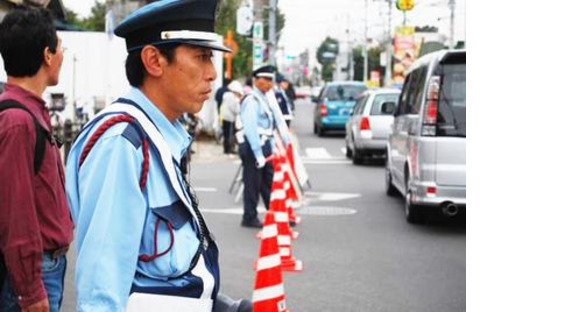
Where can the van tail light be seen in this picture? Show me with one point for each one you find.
(323, 110)
(365, 124)
(430, 113)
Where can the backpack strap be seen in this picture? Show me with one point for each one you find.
(41, 134)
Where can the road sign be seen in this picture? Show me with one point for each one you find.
(257, 45)
(244, 18)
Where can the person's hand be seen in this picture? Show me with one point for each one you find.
(260, 162)
(40, 306)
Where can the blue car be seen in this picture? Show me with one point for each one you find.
(334, 105)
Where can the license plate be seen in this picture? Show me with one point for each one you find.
(345, 111)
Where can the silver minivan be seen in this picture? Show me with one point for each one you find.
(370, 124)
(425, 156)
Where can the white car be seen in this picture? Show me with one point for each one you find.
(369, 126)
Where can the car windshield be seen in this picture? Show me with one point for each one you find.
(452, 102)
(344, 92)
(383, 98)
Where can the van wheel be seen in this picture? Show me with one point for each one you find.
(315, 129)
(348, 152)
(320, 131)
(412, 213)
(389, 187)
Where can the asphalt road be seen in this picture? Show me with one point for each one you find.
(358, 251)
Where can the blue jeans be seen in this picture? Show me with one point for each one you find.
(52, 278)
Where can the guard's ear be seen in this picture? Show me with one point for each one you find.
(153, 60)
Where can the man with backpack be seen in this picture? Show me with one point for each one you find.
(35, 224)
(143, 244)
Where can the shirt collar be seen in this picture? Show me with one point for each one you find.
(26, 95)
(173, 132)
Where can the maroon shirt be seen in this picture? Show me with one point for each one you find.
(34, 213)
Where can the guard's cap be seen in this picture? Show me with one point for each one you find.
(172, 21)
(267, 71)
(236, 86)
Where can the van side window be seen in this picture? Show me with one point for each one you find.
(411, 92)
(404, 99)
(419, 88)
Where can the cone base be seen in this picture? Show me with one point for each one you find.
(296, 219)
(292, 266)
(271, 305)
(294, 234)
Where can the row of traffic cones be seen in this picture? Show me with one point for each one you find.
(276, 245)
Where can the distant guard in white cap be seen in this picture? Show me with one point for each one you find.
(142, 242)
(260, 117)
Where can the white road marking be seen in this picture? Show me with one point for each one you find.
(343, 150)
(327, 196)
(326, 162)
(317, 153)
(205, 189)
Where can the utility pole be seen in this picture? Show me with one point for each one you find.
(272, 32)
(365, 50)
(452, 23)
(350, 54)
(388, 48)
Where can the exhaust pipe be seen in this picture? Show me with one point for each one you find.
(450, 210)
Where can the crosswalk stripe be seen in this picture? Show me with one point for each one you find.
(317, 152)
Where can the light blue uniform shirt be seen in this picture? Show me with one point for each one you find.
(112, 215)
(255, 116)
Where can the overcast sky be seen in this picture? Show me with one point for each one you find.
(308, 22)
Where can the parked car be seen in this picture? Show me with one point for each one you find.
(334, 105)
(370, 125)
(425, 158)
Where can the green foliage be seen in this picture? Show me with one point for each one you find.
(328, 65)
(227, 19)
(242, 61)
(95, 22)
(280, 22)
(374, 61)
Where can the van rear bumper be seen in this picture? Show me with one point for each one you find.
(443, 194)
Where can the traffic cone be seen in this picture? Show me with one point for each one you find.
(279, 184)
(291, 193)
(278, 206)
(269, 287)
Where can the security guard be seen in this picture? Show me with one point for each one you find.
(260, 116)
(142, 242)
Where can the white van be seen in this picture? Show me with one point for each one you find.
(425, 156)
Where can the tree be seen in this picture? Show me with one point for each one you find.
(374, 61)
(242, 61)
(227, 19)
(95, 22)
(326, 56)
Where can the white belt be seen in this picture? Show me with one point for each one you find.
(142, 302)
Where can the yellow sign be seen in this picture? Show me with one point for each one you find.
(405, 5)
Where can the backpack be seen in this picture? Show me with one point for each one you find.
(39, 148)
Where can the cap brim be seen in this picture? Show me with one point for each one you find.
(207, 44)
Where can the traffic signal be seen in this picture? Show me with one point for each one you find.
(405, 5)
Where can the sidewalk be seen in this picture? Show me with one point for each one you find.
(208, 150)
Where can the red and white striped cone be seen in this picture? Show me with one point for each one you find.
(291, 193)
(278, 206)
(279, 184)
(269, 287)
